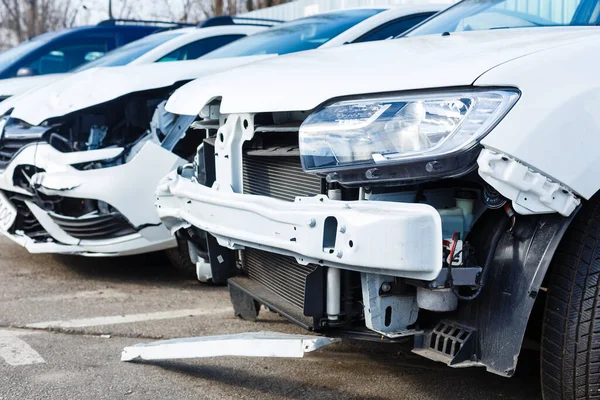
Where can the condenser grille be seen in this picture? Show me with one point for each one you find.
(280, 274)
(280, 177)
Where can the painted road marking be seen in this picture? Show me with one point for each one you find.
(126, 319)
(15, 351)
(107, 294)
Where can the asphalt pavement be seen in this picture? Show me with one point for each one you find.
(64, 321)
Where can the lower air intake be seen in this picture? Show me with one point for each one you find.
(94, 227)
(280, 274)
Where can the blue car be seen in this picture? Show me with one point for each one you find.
(63, 51)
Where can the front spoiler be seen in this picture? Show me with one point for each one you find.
(397, 239)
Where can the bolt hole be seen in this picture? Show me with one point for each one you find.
(221, 137)
(351, 243)
(388, 316)
(525, 199)
(245, 124)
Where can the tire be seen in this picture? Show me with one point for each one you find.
(179, 257)
(570, 355)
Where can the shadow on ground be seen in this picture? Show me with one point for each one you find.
(384, 366)
(152, 267)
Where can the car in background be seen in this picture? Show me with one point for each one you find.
(187, 43)
(81, 157)
(65, 50)
(440, 188)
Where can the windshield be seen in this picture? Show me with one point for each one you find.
(130, 52)
(474, 15)
(8, 57)
(302, 34)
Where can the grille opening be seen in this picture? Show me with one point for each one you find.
(85, 219)
(282, 275)
(271, 167)
(26, 222)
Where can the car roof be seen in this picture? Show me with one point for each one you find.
(191, 35)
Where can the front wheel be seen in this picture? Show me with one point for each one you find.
(570, 357)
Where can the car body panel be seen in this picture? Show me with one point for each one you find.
(554, 126)
(104, 84)
(317, 76)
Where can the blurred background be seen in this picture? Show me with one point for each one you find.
(23, 19)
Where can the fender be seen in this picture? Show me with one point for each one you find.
(499, 315)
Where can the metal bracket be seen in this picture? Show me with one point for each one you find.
(388, 315)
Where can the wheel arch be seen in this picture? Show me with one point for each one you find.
(500, 314)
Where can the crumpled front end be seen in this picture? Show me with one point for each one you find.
(319, 252)
(62, 209)
(381, 246)
(84, 183)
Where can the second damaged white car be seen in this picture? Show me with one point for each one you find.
(432, 187)
(80, 158)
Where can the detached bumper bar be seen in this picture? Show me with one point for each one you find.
(397, 239)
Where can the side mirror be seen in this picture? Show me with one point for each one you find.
(25, 71)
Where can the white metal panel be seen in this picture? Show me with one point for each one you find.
(251, 344)
(410, 63)
(555, 126)
(99, 85)
(341, 234)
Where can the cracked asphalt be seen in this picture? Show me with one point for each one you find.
(65, 320)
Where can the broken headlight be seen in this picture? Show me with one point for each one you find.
(420, 132)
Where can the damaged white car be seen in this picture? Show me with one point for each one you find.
(171, 45)
(81, 157)
(433, 187)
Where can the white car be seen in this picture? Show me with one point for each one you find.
(173, 45)
(433, 187)
(82, 157)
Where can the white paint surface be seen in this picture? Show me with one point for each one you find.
(15, 351)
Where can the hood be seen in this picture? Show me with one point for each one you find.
(17, 86)
(100, 85)
(302, 81)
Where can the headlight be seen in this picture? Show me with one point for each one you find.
(376, 133)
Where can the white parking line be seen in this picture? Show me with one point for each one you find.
(15, 351)
(125, 319)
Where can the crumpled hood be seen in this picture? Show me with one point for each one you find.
(100, 85)
(302, 81)
(17, 86)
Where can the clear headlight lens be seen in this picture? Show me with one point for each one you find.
(399, 129)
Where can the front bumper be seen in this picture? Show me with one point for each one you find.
(129, 188)
(396, 239)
